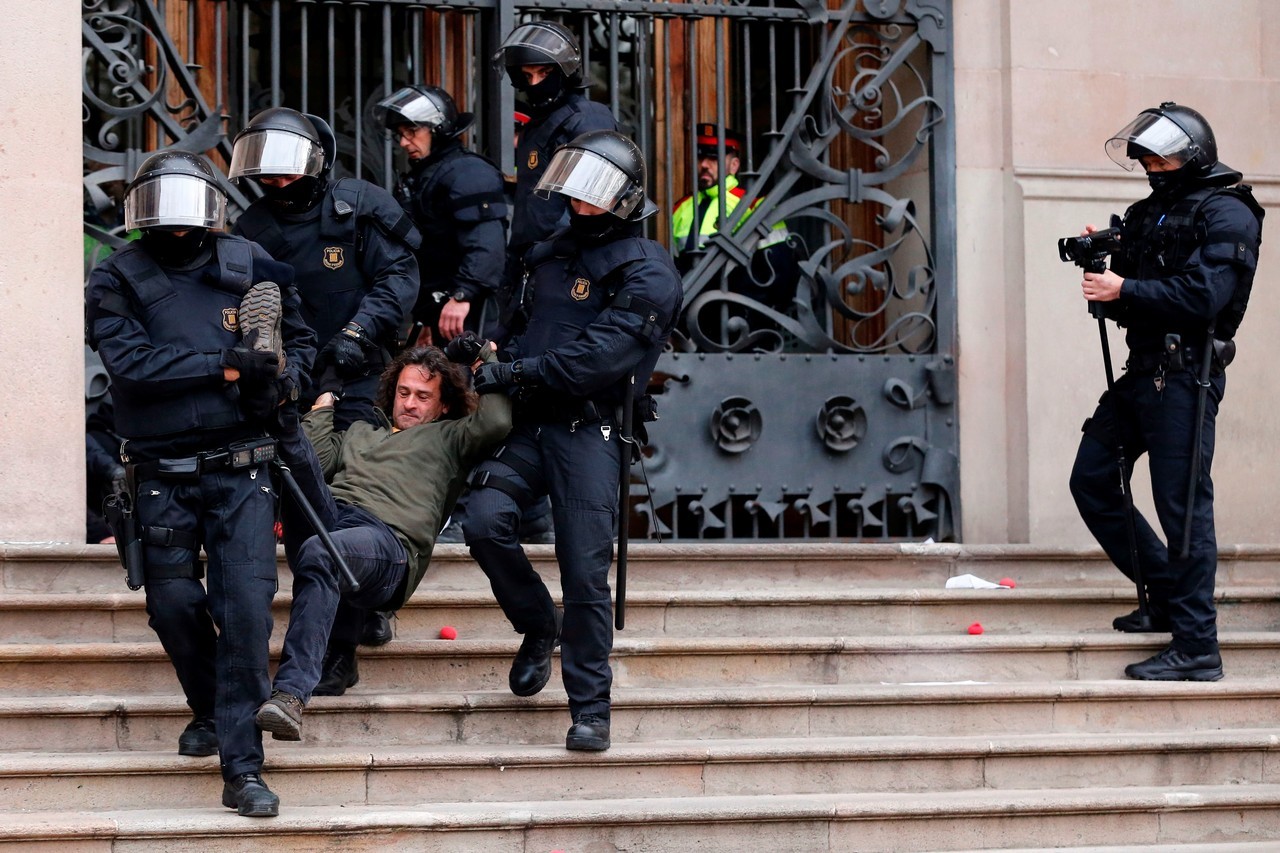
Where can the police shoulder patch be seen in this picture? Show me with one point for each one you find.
(533, 159)
(333, 258)
(230, 319)
(581, 289)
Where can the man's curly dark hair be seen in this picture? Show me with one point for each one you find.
(455, 390)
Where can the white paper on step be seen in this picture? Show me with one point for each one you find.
(972, 582)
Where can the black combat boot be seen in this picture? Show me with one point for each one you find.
(589, 733)
(531, 670)
(339, 672)
(1132, 622)
(199, 738)
(250, 796)
(377, 628)
(1175, 665)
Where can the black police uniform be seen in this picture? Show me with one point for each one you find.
(534, 218)
(162, 332)
(456, 199)
(601, 312)
(1188, 265)
(353, 259)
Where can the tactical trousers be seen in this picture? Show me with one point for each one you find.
(1159, 422)
(579, 469)
(222, 673)
(370, 549)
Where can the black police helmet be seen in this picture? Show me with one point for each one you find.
(424, 106)
(175, 190)
(603, 168)
(541, 43)
(281, 141)
(1170, 131)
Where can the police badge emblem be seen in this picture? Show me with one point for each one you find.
(533, 159)
(333, 257)
(581, 289)
(230, 319)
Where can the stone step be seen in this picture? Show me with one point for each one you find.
(342, 777)
(373, 721)
(945, 820)
(95, 568)
(782, 612)
(99, 668)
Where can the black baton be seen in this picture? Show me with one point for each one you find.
(1202, 394)
(624, 504)
(1130, 520)
(295, 491)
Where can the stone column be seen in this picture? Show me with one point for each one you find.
(41, 275)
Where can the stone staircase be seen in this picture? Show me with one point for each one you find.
(815, 697)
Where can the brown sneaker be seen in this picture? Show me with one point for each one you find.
(281, 715)
(259, 319)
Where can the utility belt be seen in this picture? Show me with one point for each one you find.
(130, 535)
(237, 456)
(1176, 357)
(550, 409)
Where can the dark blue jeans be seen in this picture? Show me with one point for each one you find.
(1161, 424)
(223, 673)
(370, 549)
(579, 469)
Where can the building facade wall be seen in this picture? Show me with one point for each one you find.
(41, 272)
(1039, 87)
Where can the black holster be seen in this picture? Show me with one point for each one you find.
(118, 511)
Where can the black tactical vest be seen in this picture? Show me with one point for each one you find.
(188, 310)
(1165, 233)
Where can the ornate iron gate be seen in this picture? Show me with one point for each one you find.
(812, 397)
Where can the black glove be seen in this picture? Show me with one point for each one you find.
(496, 376)
(254, 366)
(347, 351)
(119, 482)
(259, 400)
(465, 348)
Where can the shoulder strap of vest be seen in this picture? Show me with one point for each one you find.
(338, 210)
(601, 261)
(140, 273)
(258, 225)
(235, 262)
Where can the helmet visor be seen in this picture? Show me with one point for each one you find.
(409, 107)
(545, 43)
(275, 152)
(1149, 132)
(589, 177)
(175, 201)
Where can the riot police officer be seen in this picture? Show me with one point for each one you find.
(192, 396)
(1179, 285)
(350, 244)
(604, 300)
(544, 62)
(455, 198)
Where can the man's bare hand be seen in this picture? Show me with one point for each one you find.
(1101, 286)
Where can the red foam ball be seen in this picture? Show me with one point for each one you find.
(448, 632)
(1009, 582)
(975, 628)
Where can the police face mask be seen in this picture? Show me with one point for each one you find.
(593, 227)
(296, 197)
(545, 93)
(170, 249)
(1164, 183)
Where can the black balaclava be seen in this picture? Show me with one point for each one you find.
(297, 197)
(599, 228)
(173, 250)
(545, 95)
